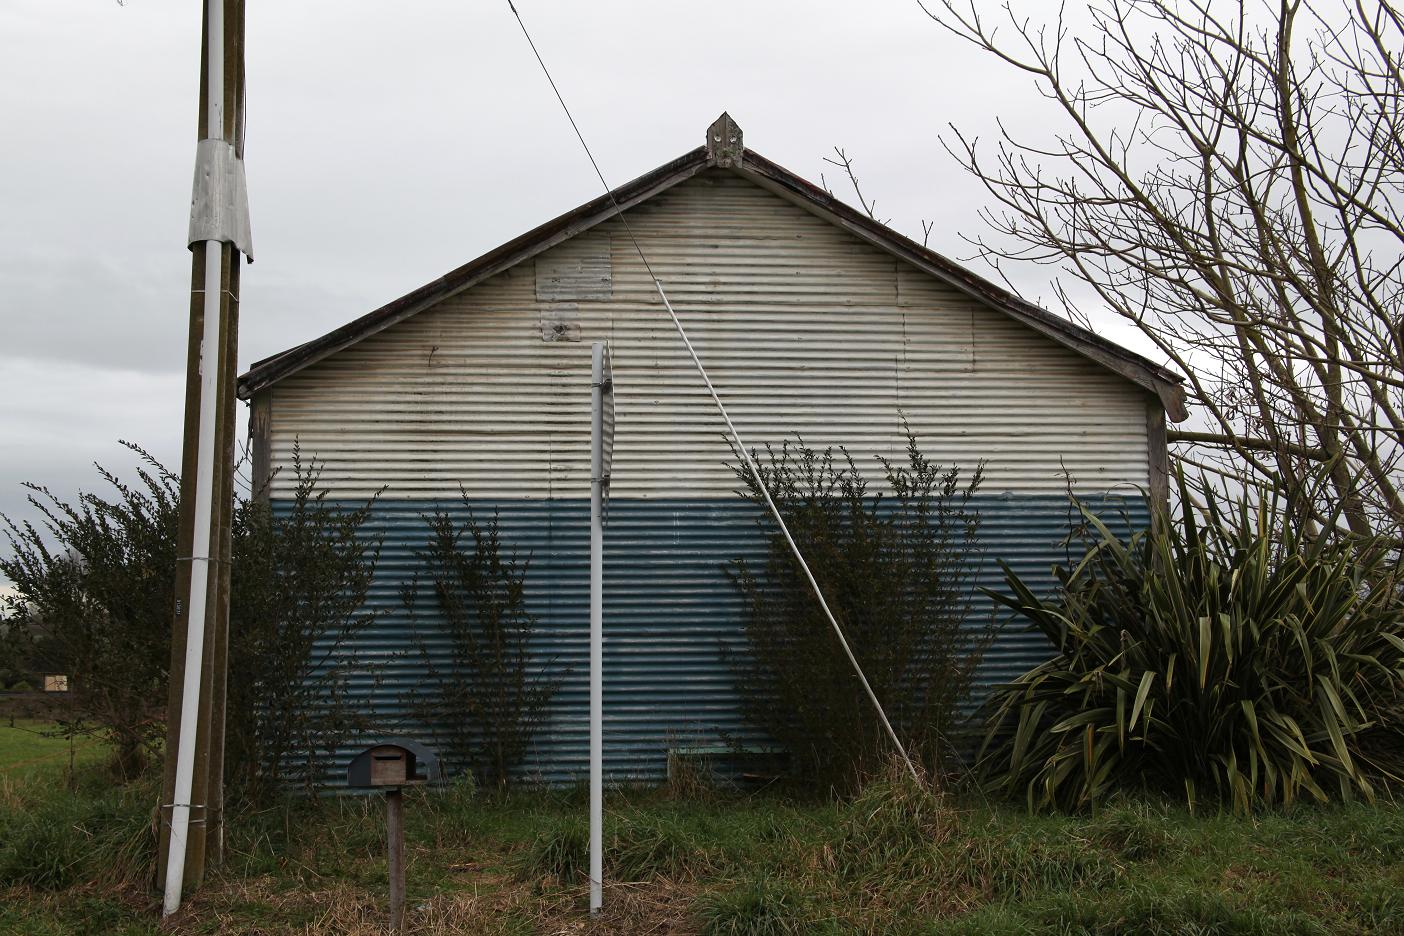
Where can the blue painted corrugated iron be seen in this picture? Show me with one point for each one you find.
(669, 609)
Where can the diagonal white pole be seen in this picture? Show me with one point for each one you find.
(775, 512)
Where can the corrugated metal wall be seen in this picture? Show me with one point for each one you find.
(805, 330)
(668, 610)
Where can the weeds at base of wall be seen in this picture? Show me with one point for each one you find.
(896, 859)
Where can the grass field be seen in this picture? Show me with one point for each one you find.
(894, 861)
(29, 748)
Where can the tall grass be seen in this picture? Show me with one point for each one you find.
(61, 840)
(759, 906)
(641, 845)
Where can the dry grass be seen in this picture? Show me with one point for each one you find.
(12, 795)
(495, 905)
(651, 908)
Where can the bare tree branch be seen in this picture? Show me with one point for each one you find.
(846, 164)
(1229, 179)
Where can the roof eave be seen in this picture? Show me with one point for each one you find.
(1163, 382)
(272, 369)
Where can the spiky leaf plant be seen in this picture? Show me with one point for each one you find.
(1231, 655)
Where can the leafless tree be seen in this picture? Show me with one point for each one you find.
(1227, 177)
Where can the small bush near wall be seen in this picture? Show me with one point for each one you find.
(472, 633)
(297, 603)
(895, 570)
(1231, 656)
(94, 596)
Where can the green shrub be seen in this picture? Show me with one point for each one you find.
(473, 631)
(93, 599)
(895, 569)
(297, 609)
(21, 686)
(1227, 656)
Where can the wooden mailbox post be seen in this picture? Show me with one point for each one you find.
(390, 766)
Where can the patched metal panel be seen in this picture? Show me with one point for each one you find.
(578, 269)
(805, 330)
(560, 321)
(669, 611)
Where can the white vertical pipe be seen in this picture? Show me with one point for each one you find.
(596, 629)
(204, 492)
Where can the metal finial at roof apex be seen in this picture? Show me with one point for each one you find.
(724, 143)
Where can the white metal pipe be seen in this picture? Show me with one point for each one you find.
(204, 493)
(596, 629)
(775, 511)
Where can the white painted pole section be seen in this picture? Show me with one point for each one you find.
(596, 629)
(775, 511)
(204, 494)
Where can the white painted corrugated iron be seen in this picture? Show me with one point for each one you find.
(806, 332)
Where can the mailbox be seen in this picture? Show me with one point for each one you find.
(389, 765)
(394, 762)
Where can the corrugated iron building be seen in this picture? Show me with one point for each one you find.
(812, 319)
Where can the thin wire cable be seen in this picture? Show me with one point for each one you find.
(721, 407)
(583, 145)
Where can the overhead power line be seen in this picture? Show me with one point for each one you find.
(721, 407)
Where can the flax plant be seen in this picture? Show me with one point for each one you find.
(1230, 656)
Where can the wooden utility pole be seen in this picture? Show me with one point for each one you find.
(193, 793)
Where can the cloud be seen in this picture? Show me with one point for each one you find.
(389, 143)
(76, 418)
(89, 309)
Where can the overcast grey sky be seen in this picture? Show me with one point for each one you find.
(390, 142)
